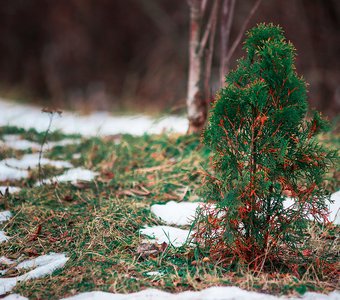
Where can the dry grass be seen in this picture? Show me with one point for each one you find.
(97, 223)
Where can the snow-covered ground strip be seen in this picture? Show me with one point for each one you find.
(15, 297)
(3, 237)
(5, 216)
(42, 266)
(11, 189)
(32, 161)
(97, 123)
(9, 174)
(20, 145)
(15, 141)
(6, 261)
(334, 208)
(167, 234)
(72, 175)
(16, 169)
(65, 142)
(182, 213)
(176, 213)
(213, 293)
(76, 155)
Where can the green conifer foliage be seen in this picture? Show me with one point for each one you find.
(263, 150)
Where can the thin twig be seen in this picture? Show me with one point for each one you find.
(210, 48)
(242, 30)
(226, 23)
(204, 5)
(51, 115)
(209, 27)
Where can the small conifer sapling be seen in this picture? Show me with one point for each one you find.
(264, 149)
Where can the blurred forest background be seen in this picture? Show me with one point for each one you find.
(133, 54)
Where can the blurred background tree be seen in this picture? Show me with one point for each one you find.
(133, 54)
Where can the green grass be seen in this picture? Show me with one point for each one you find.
(97, 223)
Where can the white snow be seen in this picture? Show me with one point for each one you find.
(72, 175)
(167, 234)
(32, 161)
(15, 297)
(97, 123)
(16, 169)
(154, 273)
(77, 174)
(64, 142)
(176, 213)
(5, 216)
(11, 189)
(334, 208)
(212, 293)
(43, 265)
(11, 137)
(20, 144)
(6, 261)
(16, 142)
(76, 155)
(7, 173)
(3, 237)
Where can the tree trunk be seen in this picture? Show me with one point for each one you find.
(196, 105)
(201, 45)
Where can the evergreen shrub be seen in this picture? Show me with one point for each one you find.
(264, 149)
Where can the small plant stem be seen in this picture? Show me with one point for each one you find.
(42, 145)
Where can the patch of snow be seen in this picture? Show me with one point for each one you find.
(11, 189)
(212, 293)
(154, 273)
(3, 237)
(32, 161)
(6, 261)
(9, 174)
(40, 261)
(334, 208)
(15, 297)
(317, 296)
(176, 213)
(167, 234)
(43, 265)
(16, 142)
(73, 175)
(97, 123)
(77, 174)
(64, 142)
(76, 155)
(11, 137)
(5, 216)
(20, 144)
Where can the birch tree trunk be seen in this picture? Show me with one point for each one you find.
(201, 47)
(196, 101)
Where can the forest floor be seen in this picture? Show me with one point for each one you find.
(96, 220)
